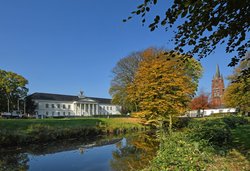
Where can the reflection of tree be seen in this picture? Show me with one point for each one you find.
(135, 154)
(14, 161)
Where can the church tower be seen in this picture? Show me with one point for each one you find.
(217, 89)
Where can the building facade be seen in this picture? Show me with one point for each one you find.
(208, 112)
(58, 105)
(217, 89)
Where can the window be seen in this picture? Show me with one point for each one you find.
(63, 113)
(52, 105)
(69, 106)
(47, 105)
(58, 113)
(69, 113)
(53, 113)
(47, 113)
(64, 106)
(110, 107)
(220, 111)
(58, 106)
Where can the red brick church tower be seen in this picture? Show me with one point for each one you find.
(217, 89)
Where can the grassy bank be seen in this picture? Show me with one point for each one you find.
(25, 131)
(206, 144)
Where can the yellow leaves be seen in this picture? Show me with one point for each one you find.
(237, 94)
(162, 86)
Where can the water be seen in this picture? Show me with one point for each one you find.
(103, 154)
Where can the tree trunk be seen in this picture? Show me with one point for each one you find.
(8, 101)
(170, 123)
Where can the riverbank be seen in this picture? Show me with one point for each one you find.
(15, 132)
(206, 144)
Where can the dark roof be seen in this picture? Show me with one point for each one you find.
(101, 100)
(61, 97)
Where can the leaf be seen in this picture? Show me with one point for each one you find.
(184, 13)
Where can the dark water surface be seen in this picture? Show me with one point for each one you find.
(124, 153)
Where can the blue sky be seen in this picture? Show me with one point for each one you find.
(64, 46)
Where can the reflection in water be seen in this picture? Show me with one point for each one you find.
(107, 153)
(135, 153)
(13, 161)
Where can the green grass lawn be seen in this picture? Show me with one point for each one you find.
(23, 131)
(23, 124)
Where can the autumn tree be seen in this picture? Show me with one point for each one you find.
(12, 88)
(237, 94)
(163, 87)
(123, 74)
(202, 25)
(200, 102)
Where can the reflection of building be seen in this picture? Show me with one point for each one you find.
(56, 105)
(217, 89)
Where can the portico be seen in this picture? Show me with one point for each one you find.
(84, 108)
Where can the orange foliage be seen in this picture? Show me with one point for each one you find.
(162, 86)
(200, 102)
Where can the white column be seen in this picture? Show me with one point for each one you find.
(93, 109)
(89, 109)
(80, 109)
(75, 108)
(84, 108)
(97, 109)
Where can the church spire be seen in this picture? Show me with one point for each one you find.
(217, 74)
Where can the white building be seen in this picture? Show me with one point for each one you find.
(57, 105)
(208, 112)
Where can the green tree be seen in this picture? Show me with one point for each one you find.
(163, 87)
(237, 94)
(30, 105)
(12, 88)
(202, 24)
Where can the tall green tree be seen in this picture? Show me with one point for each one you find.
(163, 87)
(237, 94)
(12, 88)
(202, 25)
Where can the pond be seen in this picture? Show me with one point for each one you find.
(120, 153)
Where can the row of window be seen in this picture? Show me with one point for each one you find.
(107, 107)
(69, 106)
(66, 113)
(58, 113)
(58, 106)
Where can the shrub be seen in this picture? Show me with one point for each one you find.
(7, 138)
(216, 132)
(234, 121)
(181, 122)
(178, 152)
(40, 133)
